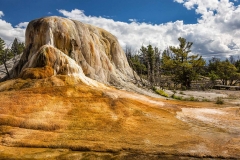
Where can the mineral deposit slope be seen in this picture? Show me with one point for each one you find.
(80, 121)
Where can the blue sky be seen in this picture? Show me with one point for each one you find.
(212, 25)
(150, 11)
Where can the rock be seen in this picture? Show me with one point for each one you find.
(10, 64)
(60, 46)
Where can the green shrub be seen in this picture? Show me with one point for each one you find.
(181, 93)
(176, 97)
(219, 100)
(183, 88)
(174, 91)
(161, 92)
(203, 88)
(191, 98)
(205, 100)
(154, 88)
(196, 99)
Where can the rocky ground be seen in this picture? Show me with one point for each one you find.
(10, 63)
(229, 96)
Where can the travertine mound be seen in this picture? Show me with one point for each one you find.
(60, 46)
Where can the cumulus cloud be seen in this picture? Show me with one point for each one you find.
(219, 25)
(215, 34)
(8, 32)
(22, 25)
(133, 34)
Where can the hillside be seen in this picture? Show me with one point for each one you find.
(75, 121)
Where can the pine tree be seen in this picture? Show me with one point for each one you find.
(14, 47)
(3, 56)
(17, 47)
(224, 71)
(2, 50)
(183, 68)
(136, 64)
(2, 44)
(149, 58)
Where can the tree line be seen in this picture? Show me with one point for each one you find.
(9, 52)
(181, 66)
(177, 63)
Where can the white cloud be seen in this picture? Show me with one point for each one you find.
(132, 20)
(22, 25)
(8, 32)
(133, 34)
(179, 1)
(215, 34)
(219, 25)
(1, 14)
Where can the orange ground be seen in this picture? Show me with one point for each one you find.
(77, 121)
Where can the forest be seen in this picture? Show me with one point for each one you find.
(177, 68)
